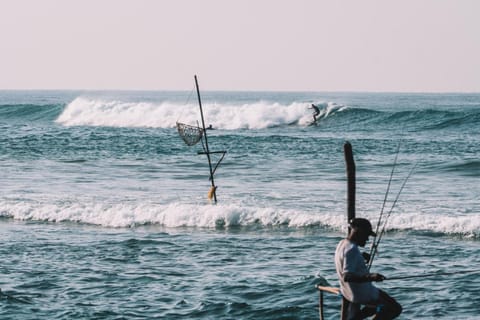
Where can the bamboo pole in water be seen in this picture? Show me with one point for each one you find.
(207, 151)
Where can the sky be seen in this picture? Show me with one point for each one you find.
(253, 45)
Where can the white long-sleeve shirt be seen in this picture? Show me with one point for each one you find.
(349, 259)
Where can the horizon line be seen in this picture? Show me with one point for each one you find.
(244, 90)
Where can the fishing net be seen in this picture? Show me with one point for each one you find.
(190, 134)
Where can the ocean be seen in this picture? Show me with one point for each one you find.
(104, 211)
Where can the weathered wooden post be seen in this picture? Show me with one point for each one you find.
(350, 168)
(347, 307)
(350, 164)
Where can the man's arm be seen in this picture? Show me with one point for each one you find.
(369, 277)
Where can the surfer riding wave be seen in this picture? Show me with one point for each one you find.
(316, 112)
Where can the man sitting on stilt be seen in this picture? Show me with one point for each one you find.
(355, 280)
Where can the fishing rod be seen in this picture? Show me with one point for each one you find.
(375, 245)
(373, 248)
(432, 274)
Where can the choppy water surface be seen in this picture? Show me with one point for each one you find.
(104, 212)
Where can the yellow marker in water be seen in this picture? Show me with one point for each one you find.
(211, 192)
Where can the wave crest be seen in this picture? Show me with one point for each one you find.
(256, 115)
(128, 214)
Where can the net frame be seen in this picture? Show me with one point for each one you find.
(191, 135)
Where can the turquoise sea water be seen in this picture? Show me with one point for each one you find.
(104, 211)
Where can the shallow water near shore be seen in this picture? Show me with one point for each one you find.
(71, 271)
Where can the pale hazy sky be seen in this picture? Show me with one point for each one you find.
(294, 45)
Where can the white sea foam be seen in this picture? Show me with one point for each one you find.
(205, 215)
(171, 215)
(257, 115)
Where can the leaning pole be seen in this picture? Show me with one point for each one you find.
(207, 150)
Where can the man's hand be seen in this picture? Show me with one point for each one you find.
(366, 256)
(376, 277)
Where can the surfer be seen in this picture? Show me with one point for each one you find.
(316, 112)
(355, 280)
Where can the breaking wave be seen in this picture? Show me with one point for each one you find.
(83, 111)
(257, 115)
(121, 215)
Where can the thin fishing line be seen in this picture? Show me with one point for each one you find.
(203, 143)
(432, 274)
(190, 95)
(187, 102)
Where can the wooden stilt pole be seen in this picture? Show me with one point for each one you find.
(207, 151)
(320, 305)
(350, 164)
(350, 168)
